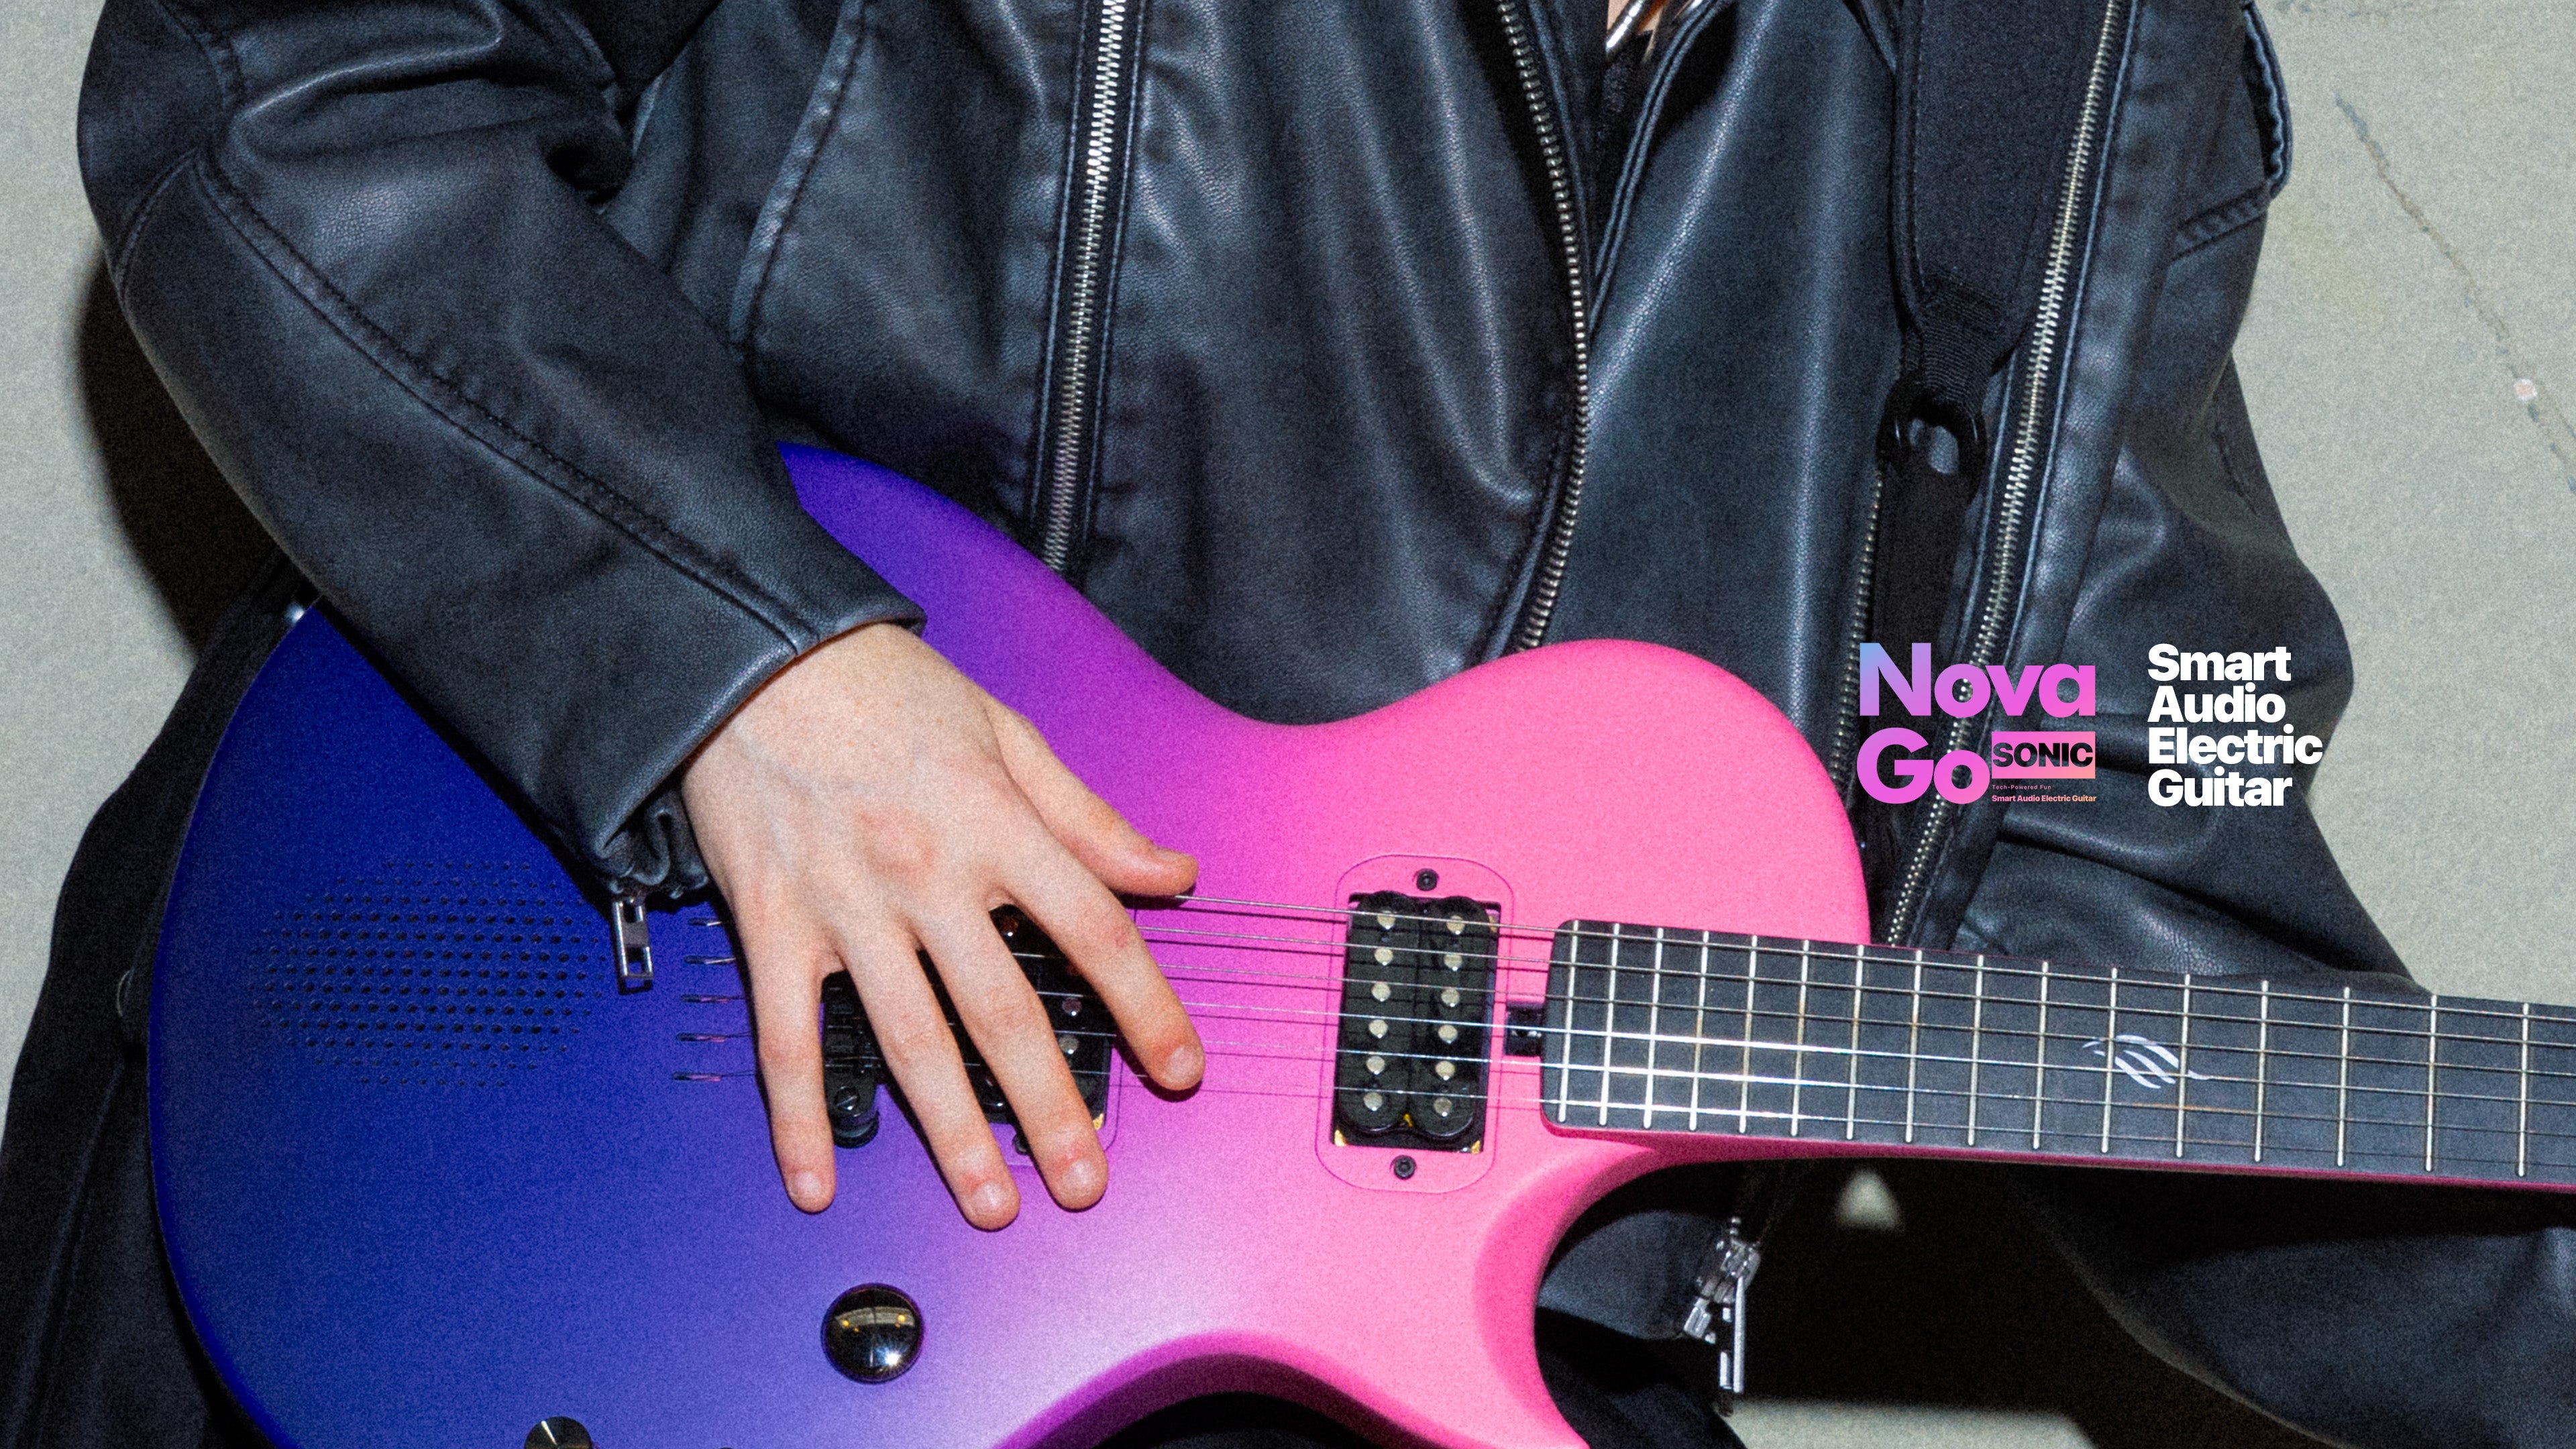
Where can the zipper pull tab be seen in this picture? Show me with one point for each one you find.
(1716, 1315)
(633, 939)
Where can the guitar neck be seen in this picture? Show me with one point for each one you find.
(1656, 1030)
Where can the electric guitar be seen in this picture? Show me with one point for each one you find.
(445, 1157)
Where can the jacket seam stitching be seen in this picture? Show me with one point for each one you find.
(787, 195)
(127, 244)
(445, 398)
(2218, 221)
(216, 46)
(215, 49)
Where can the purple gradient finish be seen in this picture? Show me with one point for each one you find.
(375, 1253)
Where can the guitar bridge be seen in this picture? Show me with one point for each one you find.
(854, 1068)
(1417, 988)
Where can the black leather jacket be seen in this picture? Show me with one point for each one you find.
(1332, 347)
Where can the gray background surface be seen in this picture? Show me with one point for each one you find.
(2411, 365)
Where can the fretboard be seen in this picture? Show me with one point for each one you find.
(1688, 1031)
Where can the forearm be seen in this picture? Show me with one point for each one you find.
(358, 244)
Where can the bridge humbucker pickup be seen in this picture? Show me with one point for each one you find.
(853, 1067)
(1417, 1000)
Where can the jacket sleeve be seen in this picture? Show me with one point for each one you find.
(358, 243)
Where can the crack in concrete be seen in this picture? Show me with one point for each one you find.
(2543, 410)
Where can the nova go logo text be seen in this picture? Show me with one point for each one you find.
(1891, 766)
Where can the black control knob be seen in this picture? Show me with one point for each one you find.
(558, 1432)
(872, 1333)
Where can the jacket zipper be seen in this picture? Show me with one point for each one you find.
(1556, 536)
(1099, 129)
(2009, 516)
(1842, 768)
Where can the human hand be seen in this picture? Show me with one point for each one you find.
(871, 802)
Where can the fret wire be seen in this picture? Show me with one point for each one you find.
(1654, 1019)
(2182, 1077)
(2262, 1064)
(1914, 1044)
(1976, 1046)
(1744, 1088)
(1796, 1100)
(2110, 1055)
(2039, 1062)
(2343, 1077)
(1699, 1029)
(2522, 1102)
(1610, 1023)
(1851, 1061)
(1565, 1072)
(2432, 1056)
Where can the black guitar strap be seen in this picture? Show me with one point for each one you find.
(1988, 95)
(1987, 100)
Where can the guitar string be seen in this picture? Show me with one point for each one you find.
(1838, 951)
(1862, 955)
(1296, 980)
(1756, 1044)
(1286, 1052)
(2426, 1034)
(1749, 1045)
(1289, 1053)
(1309, 981)
(1541, 1103)
(1302, 981)
(1991, 1030)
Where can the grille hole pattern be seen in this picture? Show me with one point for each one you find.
(434, 975)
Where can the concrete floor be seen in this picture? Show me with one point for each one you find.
(2411, 364)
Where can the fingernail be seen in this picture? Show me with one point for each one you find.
(806, 1188)
(1184, 1064)
(1082, 1179)
(989, 1201)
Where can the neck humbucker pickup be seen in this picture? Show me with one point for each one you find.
(1417, 992)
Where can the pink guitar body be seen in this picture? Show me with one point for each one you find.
(1238, 1247)
(428, 1175)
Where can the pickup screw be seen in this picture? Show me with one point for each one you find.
(1426, 879)
(1404, 1167)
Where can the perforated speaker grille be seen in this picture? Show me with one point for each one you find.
(433, 975)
